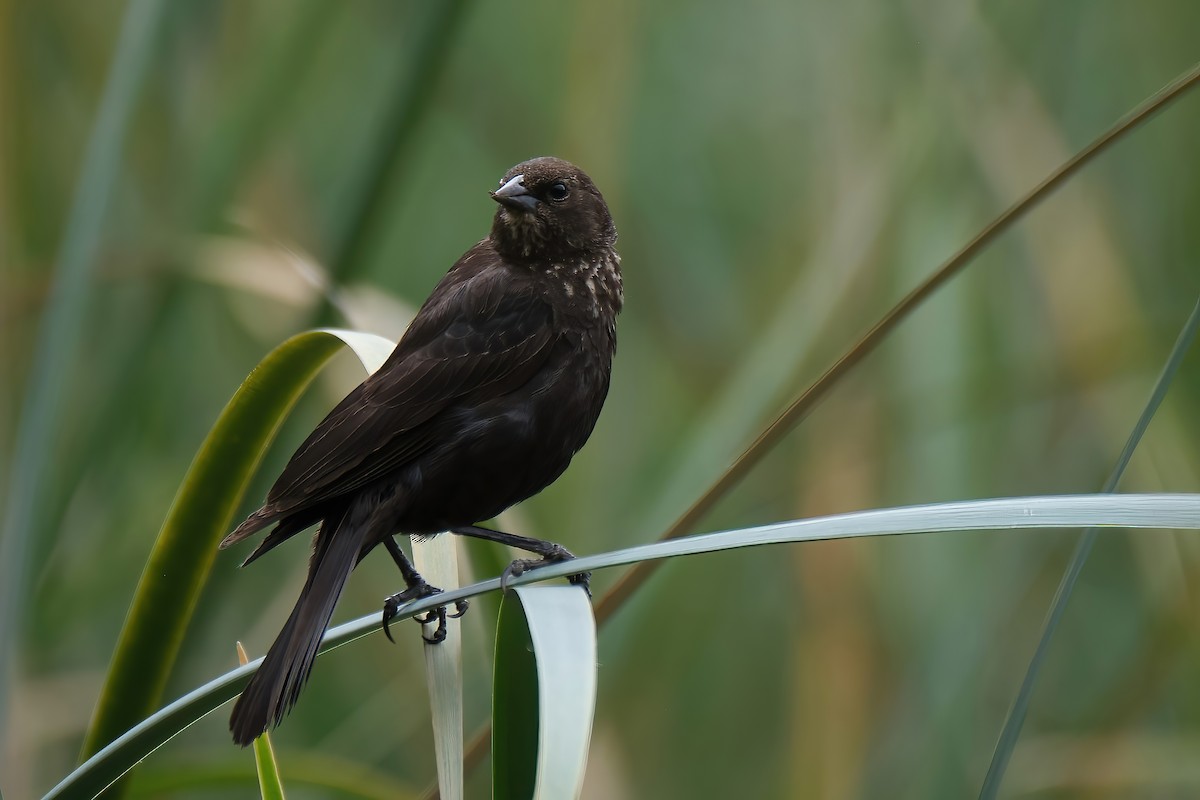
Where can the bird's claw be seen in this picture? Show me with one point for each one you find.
(554, 556)
(440, 615)
(582, 579)
(439, 633)
(392, 606)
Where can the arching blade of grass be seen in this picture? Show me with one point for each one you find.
(1020, 708)
(243, 130)
(514, 705)
(801, 406)
(366, 211)
(543, 693)
(200, 515)
(1180, 511)
(814, 394)
(59, 332)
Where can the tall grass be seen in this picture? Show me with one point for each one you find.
(752, 156)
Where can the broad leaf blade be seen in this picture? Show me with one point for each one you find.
(1016, 715)
(1177, 511)
(202, 512)
(564, 644)
(544, 694)
(514, 706)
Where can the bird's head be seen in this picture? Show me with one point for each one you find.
(550, 208)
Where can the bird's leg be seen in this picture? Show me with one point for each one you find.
(550, 553)
(418, 587)
(416, 584)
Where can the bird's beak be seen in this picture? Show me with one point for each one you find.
(514, 195)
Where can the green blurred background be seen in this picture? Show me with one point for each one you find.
(780, 174)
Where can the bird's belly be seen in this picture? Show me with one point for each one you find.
(502, 453)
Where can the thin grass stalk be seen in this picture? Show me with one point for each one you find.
(1020, 707)
(811, 397)
(231, 150)
(270, 785)
(1145, 511)
(630, 582)
(421, 75)
(239, 137)
(59, 331)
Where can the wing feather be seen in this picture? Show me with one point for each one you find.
(482, 334)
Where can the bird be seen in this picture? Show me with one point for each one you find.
(495, 385)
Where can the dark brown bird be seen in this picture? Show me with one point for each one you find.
(494, 387)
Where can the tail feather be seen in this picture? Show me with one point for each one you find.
(287, 528)
(253, 524)
(274, 688)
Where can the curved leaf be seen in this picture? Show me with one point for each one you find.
(514, 705)
(200, 515)
(1015, 719)
(318, 773)
(1179, 511)
(544, 693)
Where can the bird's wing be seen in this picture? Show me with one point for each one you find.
(483, 335)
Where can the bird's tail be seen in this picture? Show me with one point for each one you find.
(253, 524)
(273, 690)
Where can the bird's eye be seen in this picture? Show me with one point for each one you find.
(558, 191)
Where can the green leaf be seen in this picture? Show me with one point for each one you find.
(514, 706)
(269, 784)
(1015, 719)
(544, 692)
(316, 772)
(418, 75)
(200, 515)
(1180, 511)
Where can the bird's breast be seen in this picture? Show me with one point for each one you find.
(507, 448)
(590, 287)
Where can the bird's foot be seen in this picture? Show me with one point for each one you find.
(556, 554)
(392, 606)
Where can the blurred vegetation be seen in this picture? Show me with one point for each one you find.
(780, 174)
